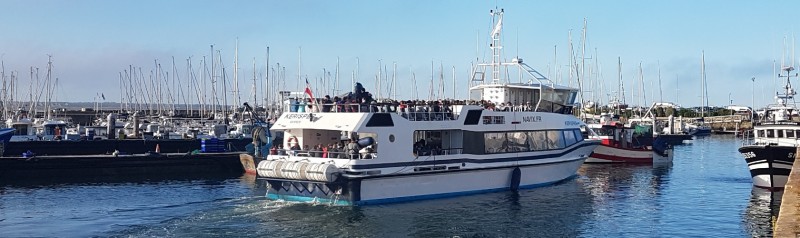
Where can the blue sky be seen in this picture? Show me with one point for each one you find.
(92, 41)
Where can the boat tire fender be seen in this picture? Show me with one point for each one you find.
(516, 174)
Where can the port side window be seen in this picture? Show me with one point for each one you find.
(474, 143)
(761, 133)
(770, 133)
(578, 135)
(789, 134)
(555, 140)
(780, 133)
(518, 141)
(495, 142)
(539, 140)
(569, 138)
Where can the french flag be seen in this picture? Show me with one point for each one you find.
(308, 91)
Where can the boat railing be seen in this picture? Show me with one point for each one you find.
(413, 112)
(324, 154)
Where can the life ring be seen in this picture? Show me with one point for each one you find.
(291, 140)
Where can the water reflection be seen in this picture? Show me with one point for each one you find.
(551, 211)
(625, 198)
(761, 212)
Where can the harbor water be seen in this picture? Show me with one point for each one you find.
(707, 192)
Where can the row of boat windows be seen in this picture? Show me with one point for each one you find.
(778, 133)
(522, 141)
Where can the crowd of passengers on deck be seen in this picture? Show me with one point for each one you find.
(350, 150)
(420, 110)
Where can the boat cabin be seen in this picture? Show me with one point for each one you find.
(777, 133)
(24, 129)
(53, 130)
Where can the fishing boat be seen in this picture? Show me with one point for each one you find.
(771, 154)
(631, 143)
(385, 152)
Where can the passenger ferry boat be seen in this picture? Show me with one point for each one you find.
(386, 152)
(772, 153)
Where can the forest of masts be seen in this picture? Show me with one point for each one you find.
(205, 86)
(38, 87)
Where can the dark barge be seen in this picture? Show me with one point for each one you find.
(109, 146)
(78, 166)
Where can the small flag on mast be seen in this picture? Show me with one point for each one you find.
(308, 90)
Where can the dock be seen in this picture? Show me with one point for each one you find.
(788, 224)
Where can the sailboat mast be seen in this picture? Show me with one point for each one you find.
(266, 83)
(336, 81)
(236, 75)
(454, 82)
(583, 62)
(213, 83)
(619, 84)
(255, 89)
(660, 91)
(47, 84)
(702, 84)
(394, 81)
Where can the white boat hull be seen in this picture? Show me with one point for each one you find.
(426, 185)
(435, 185)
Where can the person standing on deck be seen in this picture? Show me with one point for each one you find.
(352, 149)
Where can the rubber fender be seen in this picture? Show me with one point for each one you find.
(516, 174)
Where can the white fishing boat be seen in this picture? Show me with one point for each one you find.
(380, 153)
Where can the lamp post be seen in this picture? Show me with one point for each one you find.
(753, 99)
(731, 102)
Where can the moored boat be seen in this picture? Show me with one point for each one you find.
(632, 143)
(771, 154)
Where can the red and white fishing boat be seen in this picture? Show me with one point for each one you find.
(626, 143)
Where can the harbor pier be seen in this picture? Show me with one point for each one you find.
(788, 224)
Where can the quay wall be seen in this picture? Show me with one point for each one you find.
(788, 224)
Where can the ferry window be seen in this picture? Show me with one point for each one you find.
(495, 142)
(569, 137)
(780, 133)
(518, 141)
(427, 142)
(555, 140)
(578, 135)
(760, 133)
(539, 140)
(770, 133)
(789, 134)
(499, 120)
(487, 120)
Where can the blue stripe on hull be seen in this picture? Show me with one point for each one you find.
(294, 198)
(454, 194)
